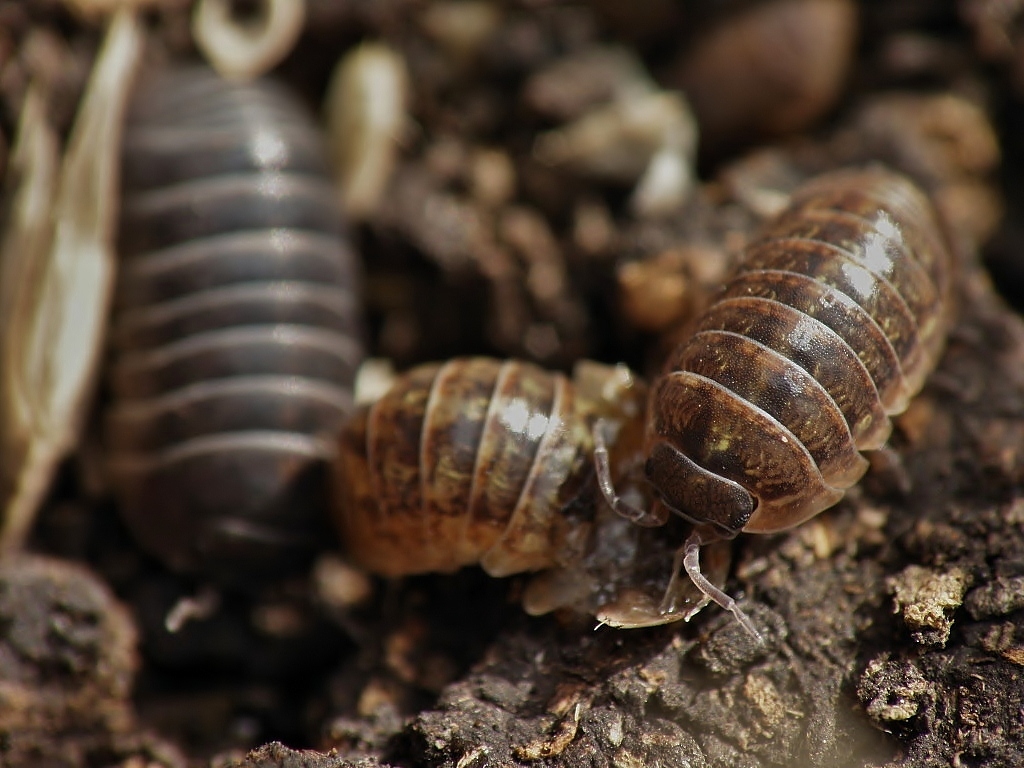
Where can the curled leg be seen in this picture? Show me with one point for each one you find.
(690, 555)
(602, 465)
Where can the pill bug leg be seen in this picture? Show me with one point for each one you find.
(634, 591)
(649, 518)
(689, 557)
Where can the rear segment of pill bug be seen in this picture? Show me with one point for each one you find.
(235, 336)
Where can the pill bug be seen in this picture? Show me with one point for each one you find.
(460, 463)
(832, 323)
(479, 461)
(235, 334)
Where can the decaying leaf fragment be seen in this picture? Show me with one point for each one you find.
(56, 272)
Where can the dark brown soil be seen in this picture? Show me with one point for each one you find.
(890, 621)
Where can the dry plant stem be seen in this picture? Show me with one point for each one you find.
(55, 353)
(241, 50)
(34, 162)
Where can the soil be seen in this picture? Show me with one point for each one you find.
(889, 621)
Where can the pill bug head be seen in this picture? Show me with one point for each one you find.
(692, 473)
(696, 494)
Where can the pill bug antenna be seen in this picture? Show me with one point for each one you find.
(689, 555)
(602, 466)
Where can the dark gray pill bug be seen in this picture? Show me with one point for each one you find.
(235, 335)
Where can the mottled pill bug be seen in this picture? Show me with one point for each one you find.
(486, 462)
(837, 314)
(462, 463)
(235, 335)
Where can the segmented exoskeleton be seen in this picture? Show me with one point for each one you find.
(235, 334)
(465, 462)
(836, 316)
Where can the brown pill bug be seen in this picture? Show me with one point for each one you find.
(462, 463)
(835, 318)
(235, 332)
(486, 462)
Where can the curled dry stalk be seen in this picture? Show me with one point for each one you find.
(56, 274)
(245, 48)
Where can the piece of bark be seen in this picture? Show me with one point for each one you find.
(276, 755)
